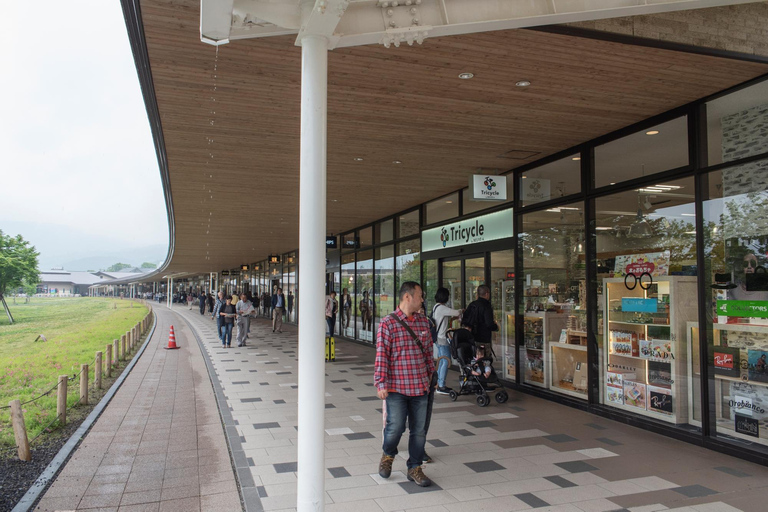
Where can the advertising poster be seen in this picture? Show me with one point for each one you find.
(654, 263)
(635, 394)
(659, 373)
(726, 361)
(660, 399)
(758, 365)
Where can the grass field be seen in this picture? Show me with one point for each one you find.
(75, 329)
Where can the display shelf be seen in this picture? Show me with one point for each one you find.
(568, 369)
(546, 326)
(645, 361)
(734, 350)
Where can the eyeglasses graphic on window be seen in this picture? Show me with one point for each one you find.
(645, 280)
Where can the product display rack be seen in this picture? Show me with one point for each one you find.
(540, 329)
(644, 352)
(736, 381)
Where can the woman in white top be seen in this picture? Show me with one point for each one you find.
(443, 316)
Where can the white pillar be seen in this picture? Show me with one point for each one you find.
(312, 201)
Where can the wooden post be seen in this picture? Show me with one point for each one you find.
(117, 353)
(97, 372)
(109, 360)
(122, 342)
(84, 384)
(20, 431)
(129, 341)
(61, 402)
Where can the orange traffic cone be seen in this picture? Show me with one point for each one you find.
(171, 341)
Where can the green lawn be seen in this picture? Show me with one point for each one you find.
(75, 329)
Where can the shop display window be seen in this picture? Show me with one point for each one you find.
(659, 148)
(408, 265)
(385, 231)
(408, 224)
(384, 299)
(736, 243)
(554, 353)
(503, 301)
(442, 209)
(550, 181)
(348, 318)
(647, 293)
(365, 296)
(736, 125)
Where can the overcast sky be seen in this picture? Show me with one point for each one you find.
(79, 175)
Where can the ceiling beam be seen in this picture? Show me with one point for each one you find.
(392, 22)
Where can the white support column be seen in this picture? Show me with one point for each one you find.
(312, 200)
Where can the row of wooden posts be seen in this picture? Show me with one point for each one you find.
(115, 352)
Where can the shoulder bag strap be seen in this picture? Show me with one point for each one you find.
(410, 331)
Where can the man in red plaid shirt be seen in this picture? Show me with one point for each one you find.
(403, 375)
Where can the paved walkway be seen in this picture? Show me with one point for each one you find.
(161, 445)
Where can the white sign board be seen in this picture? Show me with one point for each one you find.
(483, 187)
(493, 226)
(534, 190)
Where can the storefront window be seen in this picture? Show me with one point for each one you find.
(659, 148)
(408, 224)
(554, 350)
(365, 303)
(385, 231)
(408, 263)
(736, 125)
(347, 318)
(384, 286)
(503, 301)
(366, 237)
(735, 245)
(646, 280)
(430, 284)
(550, 181)
(442, 209)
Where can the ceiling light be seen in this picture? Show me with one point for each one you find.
(449, 202)
(523, 83)
(688, 214)
(357, 159)
(397, 162)
(576, 158)
(466, 76)
(652, 132)
(613, 183)
(602, 228)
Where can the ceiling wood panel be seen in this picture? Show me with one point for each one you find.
(406, 104)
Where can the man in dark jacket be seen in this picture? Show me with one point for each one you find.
(479, 316)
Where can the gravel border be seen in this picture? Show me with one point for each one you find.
(48, 475)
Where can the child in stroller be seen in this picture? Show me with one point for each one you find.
(477, 375)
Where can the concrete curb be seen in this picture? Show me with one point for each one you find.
(49, 474)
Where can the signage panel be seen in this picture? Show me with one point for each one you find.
(534, 190)
(331, 242)
(637, 305)
(244, 267)
(493, 226)
(483, 187)
(743, 308)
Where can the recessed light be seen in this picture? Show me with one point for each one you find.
(524, 177)
(397, 162)
(652, 132)
(357, 159)
(576, 158)
(449, 202)
(523, 83)
(466, 76)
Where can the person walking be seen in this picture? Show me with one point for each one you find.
(479, 316)
(331, 309)
(244, 308)
(442, 316)
(290, 306)
(366, 312)
(346, 309)
(216, 314)
(190, 300)
(228, 313)
(403, 375)
(278, 309)
(203, 300)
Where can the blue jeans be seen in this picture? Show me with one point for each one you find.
(414, 409)
(226, 334)
(219, 325)
(331, 325)
(442, 369)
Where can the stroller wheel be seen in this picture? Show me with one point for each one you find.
(502, 396)
(483, 400)
(454, 395)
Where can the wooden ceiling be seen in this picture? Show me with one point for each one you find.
(231, 121)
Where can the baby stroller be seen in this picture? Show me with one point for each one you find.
(463, 349)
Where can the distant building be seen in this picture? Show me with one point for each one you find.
(65, 283)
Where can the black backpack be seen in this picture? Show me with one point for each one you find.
(433, 327)
(469, 318)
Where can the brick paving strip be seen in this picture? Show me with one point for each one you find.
(159, 445)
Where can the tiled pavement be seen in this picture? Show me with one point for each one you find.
(528, 453)
(159, 445)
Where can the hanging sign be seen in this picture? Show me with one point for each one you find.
(274, 258)
(244, 267)
(331, 242)
(483, 187)
(493, 226)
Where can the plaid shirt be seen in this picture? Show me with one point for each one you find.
(401, 366)
(217, 308)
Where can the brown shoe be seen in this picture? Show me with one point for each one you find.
(385, 466)
(417, 476)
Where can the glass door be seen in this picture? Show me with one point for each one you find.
(474, 271)
(452, 281)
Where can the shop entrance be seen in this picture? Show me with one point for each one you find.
(462, 276)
